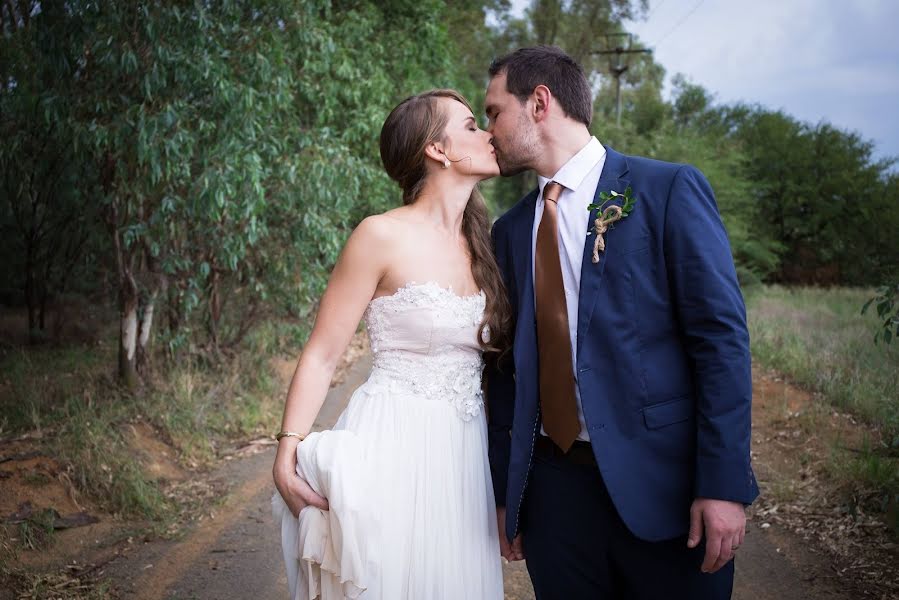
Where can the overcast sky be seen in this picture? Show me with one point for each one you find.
(815, 59)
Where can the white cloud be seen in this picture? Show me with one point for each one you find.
(816, 59)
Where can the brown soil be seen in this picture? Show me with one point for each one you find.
(31, 477)
(158, 459)
(809, 516)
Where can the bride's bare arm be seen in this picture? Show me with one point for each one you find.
(352, 284)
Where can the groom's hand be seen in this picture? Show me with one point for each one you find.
(508, 551)
(724, 524)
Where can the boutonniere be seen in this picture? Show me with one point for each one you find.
(608, 215)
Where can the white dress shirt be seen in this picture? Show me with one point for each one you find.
(580, 176)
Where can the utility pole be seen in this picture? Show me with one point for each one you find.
(619, 44)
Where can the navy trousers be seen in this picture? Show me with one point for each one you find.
(577, 547)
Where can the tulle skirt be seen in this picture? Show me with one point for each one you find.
(411, 506)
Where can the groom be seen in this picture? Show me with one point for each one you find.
(619, 423)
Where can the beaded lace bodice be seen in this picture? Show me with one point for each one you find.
(424, 339)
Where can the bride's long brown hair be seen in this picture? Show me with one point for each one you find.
(416, 122)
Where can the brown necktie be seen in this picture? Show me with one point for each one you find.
(557, 396)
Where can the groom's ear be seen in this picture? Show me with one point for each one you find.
(543, 99)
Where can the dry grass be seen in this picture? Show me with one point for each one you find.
(819, 340)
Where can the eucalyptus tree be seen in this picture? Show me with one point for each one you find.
(46, 215)
(237, 145)
(225, 150)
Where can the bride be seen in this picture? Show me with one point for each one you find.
(396, 502)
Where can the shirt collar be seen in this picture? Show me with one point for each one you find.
(573, 172)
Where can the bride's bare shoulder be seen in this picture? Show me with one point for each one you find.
(383, 227)
(376, 241)
(373, 226)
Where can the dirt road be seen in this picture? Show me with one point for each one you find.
(235, 555)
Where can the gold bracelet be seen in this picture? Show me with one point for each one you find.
(289, 434)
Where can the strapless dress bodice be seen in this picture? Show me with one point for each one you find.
(424, 338)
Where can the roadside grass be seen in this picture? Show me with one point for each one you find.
(37, 381)
(89, 441)
(200, 407)
(68, 399)
(820, 340)
(58, 586)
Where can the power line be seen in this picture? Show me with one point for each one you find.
(653, 11)
(618, 66)
(681, 22)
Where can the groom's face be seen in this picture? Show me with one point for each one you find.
(514, 132)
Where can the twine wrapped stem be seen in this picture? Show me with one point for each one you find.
(601, 225)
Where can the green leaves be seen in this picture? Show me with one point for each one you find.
(887, 299)
(227, 126)
(627, 201)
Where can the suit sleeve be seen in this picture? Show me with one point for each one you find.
(501, 388)
(712, 319)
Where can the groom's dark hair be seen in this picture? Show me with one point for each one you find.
(526, 68)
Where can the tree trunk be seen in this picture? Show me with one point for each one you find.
(44, 293)
(146, 324)
(128, 337)
(174, 309)
(215, 312)
(128, 301)
(31, 296)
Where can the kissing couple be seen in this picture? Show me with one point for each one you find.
(570, 387)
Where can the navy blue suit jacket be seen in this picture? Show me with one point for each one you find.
(663, 363)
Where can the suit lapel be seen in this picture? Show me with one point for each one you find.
(612, 178)
(523, 258)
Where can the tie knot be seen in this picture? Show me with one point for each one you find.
(552, 191)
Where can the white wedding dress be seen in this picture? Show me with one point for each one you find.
(411, 508)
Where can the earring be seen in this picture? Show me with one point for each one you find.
(446, 163)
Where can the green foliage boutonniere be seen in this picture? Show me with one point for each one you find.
(608, 215)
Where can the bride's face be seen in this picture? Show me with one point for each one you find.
(467, 146)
